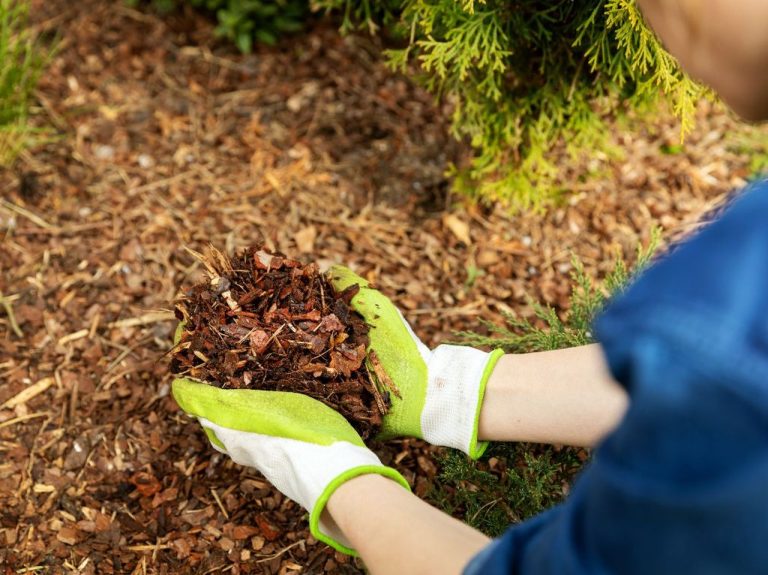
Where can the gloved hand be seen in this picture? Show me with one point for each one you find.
(303, 447)
(441, 391)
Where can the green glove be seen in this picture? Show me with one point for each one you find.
(303, 447)
(441, 391)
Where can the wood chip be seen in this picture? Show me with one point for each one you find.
(67, 535)
(30, 392)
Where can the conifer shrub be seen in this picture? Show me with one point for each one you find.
(514, 481)
(529, 75)
(524, 77)
(22, 60)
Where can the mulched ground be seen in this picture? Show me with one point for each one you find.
(167, 139)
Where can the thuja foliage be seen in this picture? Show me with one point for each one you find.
(525, 76)
(22, 60)
(527, 478)
(550, 331)
(528, 75)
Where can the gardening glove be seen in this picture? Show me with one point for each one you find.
(302, 446)
(440, 391)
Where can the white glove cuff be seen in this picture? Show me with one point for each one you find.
(455, 390)
(308, 473)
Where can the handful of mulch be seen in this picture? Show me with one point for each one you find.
(264, 321)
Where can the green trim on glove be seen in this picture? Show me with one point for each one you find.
(213, 439)
(476, 448)
(396, 350)
(275, 413)
(317, 511)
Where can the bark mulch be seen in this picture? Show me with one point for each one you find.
(265, 321)
(166, 139)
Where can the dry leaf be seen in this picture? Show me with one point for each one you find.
(458, 228)
(305, 239)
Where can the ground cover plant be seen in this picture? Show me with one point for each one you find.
(514, 481)
(265, 321)
(22, 60)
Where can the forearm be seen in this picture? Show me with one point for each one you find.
(565, 396)
(396, 532)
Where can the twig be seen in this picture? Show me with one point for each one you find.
(219, 503)
(34, 218)
(80, 334)
(279, 553)
(30, 392)
(6, 303)
(160, 183)
(375, 388)
(148, 318)
(147, 547)
(24, 418)
(382, 375)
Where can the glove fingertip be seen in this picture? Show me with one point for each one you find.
(341, 277)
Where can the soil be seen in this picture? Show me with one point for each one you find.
(165, 137)
(265, 321)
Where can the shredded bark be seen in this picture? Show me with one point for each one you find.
(265, 321)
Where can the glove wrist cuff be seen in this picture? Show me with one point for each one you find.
(331, 536)
(455, 389)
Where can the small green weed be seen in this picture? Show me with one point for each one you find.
(246, 21)
(753, 142)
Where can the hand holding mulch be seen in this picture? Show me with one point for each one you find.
(263, 345)
(271, 357)
(439, 392)
(264, 321)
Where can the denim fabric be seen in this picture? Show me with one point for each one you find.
(681, 486)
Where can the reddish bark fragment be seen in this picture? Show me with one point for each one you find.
(330, 323)
(269, 532)
(259, 341)
(146, 483)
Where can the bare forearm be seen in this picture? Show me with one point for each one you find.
(565, 396)
(396, 532)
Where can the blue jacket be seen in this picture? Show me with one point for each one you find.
(681, 486)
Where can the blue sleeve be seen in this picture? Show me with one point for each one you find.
(681, 486)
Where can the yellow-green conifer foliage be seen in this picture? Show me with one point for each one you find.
(525, 75)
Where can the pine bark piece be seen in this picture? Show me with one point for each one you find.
(265, 321)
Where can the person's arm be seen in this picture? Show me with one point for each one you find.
(460, 397)
(720, 42)
(679, 486)
(396, 532)
(565, 396)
